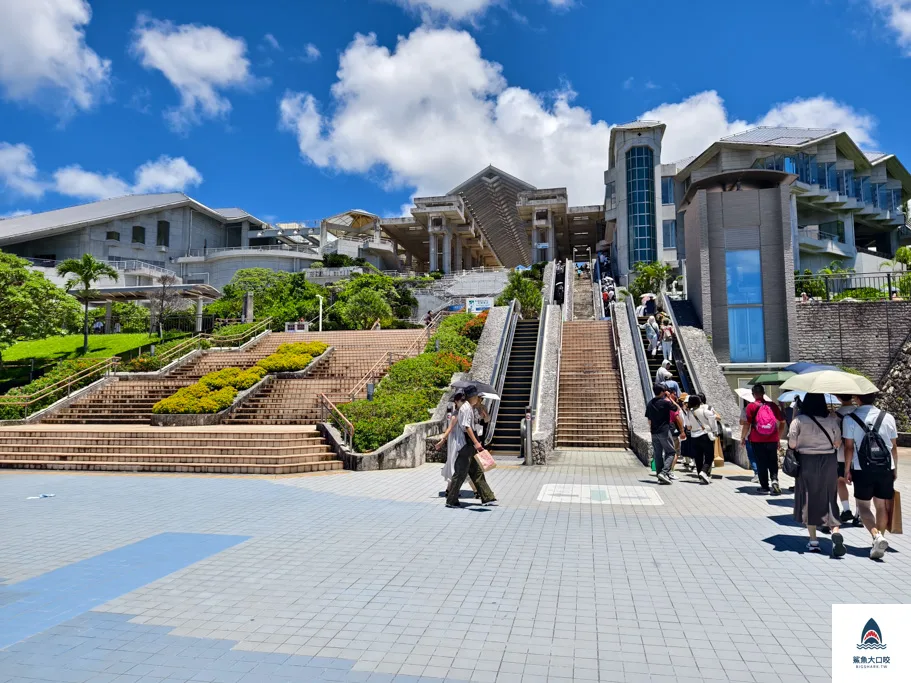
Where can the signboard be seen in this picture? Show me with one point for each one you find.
(478, 304)
(542, 245)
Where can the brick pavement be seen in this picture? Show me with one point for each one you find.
(367, 576)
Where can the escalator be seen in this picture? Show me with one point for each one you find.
(516, 394)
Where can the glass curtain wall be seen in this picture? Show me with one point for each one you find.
(640, 205)
(746, 325)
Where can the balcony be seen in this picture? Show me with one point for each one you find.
(824, 238)
(451, 206)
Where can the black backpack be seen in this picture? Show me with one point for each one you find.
(874, 454)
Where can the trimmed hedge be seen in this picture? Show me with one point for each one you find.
(451, 336)
(313, 348)
(60, 372)
(196, 399)
(293, 357)
(232, 377)
(407, 394)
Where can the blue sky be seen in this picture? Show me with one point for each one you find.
(298, 110)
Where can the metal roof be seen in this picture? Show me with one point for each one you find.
(780, 136)
(491, 196)
(639, 125)
(876, 157)
(146, 292)
(33, 226)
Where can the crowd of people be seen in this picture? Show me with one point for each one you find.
(856, 444)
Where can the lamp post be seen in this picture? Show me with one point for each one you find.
(318, 296)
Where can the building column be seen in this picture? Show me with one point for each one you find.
(447, 252)
(245, 233)
(432, 262)
(198, 315)
(551, 237)
(468, 258)
(460, 265)
(409, 261)
(534, 242)
(323, 236)
(108, 312)
(795, 239)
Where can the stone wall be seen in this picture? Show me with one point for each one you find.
(895, 394)
(865, 335)
(486, 354)
(545, 421)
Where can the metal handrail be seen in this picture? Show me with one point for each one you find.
(27, 400)
(687, 363)
(425, 336)
(138, 264)
(597, 302)
(245, 336)
(568, 280)
(328, 408)
(257, 247)
(536, 372)
(641, 360)
(615, 331)
(384, 362)
(557, 393)
(498, 375)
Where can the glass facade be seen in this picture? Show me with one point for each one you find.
(845, 181)
(610, 196)
(828, 175)
(746, 327)
(640, 205)
(667, 190)
(885, 198)
(803, 165)
(862, 189)
(669, 234)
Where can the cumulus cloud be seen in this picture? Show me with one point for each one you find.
(20, 176)
(433, 112)
(898, 17)
(44, 58)
(18, 172)
(201, 62)
(311, 52)
(272, 42)
(456, 9)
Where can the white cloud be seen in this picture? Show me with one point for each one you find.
(44, 58)
(456, 9)
(898, 16)
(628, 83)
(18, 172)
(16, 214)
(272, 42)
(311, 53)
(76, 182)
(433, 112)
(165, 174)
(200, 62)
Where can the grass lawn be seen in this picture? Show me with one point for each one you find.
(70, 346)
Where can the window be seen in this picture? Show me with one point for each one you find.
(667, 190)
(862, 190)
(610, 196)
(686, 184)
(640, 205)
(139, 234)
(112, 235)
(164, 234)
(746, 328)
(828, 175)
(669, 230)
(845, 180)
(897, 200)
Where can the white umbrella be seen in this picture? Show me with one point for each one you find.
(831, 382)
(747, 394)
(789, 396)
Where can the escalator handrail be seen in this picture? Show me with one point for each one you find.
(641, 361)
(498, 376)
(536, 373)
(615, 332)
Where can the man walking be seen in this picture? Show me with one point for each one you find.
(465, 464)
(764, 425)
(658, 412)
(844, 497)
(871, 448)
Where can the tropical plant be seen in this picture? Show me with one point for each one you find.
(649, 278)
(363, 308)
(450, 336)
(32, 306)
(901, 261)
(85, 271)
(525, 290)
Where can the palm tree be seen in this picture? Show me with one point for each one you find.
(85, 271)
(902, 259)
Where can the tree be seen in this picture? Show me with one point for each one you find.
(33, 307)
(901, 261)
(525, 290)
(86, 272)
(649, 278)
(362, 309)
(165, 300)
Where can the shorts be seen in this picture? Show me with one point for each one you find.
(841, 470)
(868, 485)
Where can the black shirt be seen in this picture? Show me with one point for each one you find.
(658, 411)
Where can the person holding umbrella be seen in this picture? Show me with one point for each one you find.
(465, 464)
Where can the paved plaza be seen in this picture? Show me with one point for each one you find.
(587, 571)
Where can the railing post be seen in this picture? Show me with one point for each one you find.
(889, 286)
(825, 279)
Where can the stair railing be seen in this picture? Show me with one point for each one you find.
(64, 387)
(329, 412)
(536, 373)
(568, 279)
(498, 376)
(557, 393)
(615, 332)
(375, 372)
(597, 301)
(243, 337)
(641, 361)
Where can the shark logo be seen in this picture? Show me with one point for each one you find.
(872, 637)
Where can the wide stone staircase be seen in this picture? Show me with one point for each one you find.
(354, 355)
(583, 306)
(197, 450)
(591, 408)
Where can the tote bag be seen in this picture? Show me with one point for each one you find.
(485, 460)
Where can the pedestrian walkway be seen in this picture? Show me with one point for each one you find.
(587, 571)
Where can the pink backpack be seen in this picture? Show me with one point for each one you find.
(765, 422)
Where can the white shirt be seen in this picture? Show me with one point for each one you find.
(868, 414)
(700, 421)
(845, 410)
(466, 417)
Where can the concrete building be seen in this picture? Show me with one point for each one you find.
(756, 206)
(145, 236)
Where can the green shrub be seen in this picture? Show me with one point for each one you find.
(426, 371)
(232, 377)
(60, 372)
(449, 334)
(313, 348)
(285, 362)
(474, 327)
(380, 421)
(862, 294)
(196, 399)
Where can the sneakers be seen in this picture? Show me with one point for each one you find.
(663, 478)
(755, 479)
(764, 489)
(449, 505)
(704, 478)
(846, 516)
(857, 521)
(813, 547)
(491, 503)
(776, 489)
(673, 476)
(880, 546)
(838, 545)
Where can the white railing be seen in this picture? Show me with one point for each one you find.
(259, 247)
(127, 265)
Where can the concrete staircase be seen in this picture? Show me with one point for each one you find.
(583, 306)
(590, 411)
(198, 450)
(296, 401)
(507, 439)
(120, 402)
